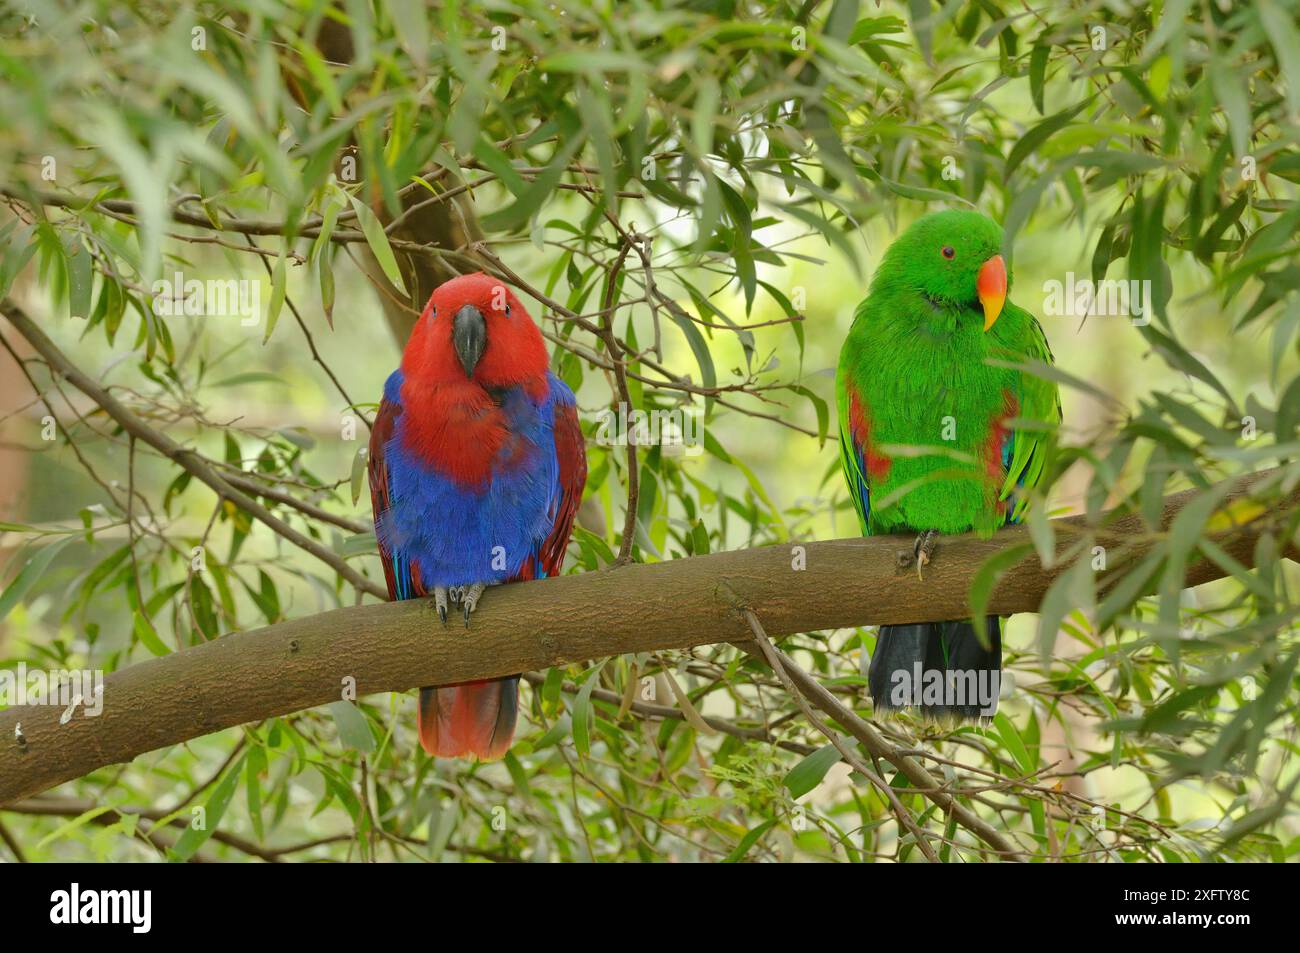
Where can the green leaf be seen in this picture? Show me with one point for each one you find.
(1071, 591)
(1173, 21)
(702, 115)
(27, 577)
(1035, 137)
(591, 61)
(357, 544)
(1230, 92)
(321, 259)
(1280, 28)
(542, 188)
(553, 686)
(562, 727)
(377, 239)
(148, 635)
(987, 575)
(214, 811)
(254, 766)
(748, 841)
(689, 711)
(808, 773)
(918, 12)
(18, 251)
(63, 830)
(276, 304)
(81, 278)
(354, 729)
(1011, 738)
(250, 377)
(582, 713)
(411, 29)
(518, 776)
(1015, 744)
(496, 162)
(1037, 72)
(1179, 358)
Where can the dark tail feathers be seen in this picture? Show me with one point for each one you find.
(938, 667)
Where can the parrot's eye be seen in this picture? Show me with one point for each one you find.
(949, 252)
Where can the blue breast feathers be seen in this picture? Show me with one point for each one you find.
(458, 536)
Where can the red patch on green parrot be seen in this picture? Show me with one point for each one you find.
(996, 443)
(859, 425)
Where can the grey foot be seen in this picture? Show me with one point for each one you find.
(440, 600)
(923, 549)
(469, 596)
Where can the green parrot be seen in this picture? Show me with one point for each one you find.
(927, 440)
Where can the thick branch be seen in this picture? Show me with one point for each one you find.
(393, 647)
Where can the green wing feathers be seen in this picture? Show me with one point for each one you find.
(851, 456)
(1040, 405)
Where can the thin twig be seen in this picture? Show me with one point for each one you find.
(778, 666)
(186, 458)
(616, 356)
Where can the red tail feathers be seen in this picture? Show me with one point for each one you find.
(476, 718)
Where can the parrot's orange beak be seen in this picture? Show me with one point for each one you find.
(992, 288)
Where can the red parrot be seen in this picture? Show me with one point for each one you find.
(477, 467)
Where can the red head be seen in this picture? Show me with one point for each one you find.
(475, 331)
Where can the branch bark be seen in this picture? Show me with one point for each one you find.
(393, 647)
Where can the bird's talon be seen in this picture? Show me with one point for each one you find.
(440, 600)
(925, 545)
(469, 599)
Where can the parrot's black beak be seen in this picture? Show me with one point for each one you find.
(469, 337)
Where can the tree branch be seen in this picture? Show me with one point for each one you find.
(393, 647)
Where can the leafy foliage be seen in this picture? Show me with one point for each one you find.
(670, 182)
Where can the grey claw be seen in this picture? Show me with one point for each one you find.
(470, 599)
(440, 600)
(925, 545)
